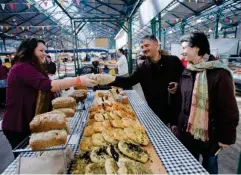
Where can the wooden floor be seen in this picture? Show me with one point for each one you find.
(228, 158)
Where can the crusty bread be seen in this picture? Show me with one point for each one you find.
(79, 95)
(63, 102)
(47, 122)
(69, 112)
(43, 140)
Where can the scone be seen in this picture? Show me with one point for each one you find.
(127, 166)
(99, 155)
(111, 166)
(137, 136)
(86, 144)
(109, 137)
(89, 131)
(43, 140)
(63, 102)
(133, 151)
(95, 168)
(98, 140)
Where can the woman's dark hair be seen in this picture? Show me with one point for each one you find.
(199, 40)
(121, 51)
(25, 53)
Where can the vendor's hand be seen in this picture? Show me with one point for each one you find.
(174, 89)
(87, 81)
(104, 79)
(222, 146)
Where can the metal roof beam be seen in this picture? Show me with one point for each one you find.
(189, 8)
(57, 2)
(111, 7)
(81, 27)
(138, 3)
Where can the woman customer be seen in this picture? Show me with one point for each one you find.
(3, 83)
(30, 90)
(209, 114)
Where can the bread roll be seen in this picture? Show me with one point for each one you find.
(63, 102)
(79, 95)
(43, 140)
(48, 121)
(69, 112)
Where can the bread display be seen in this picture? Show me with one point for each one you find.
(43, 140)
(63, 102)
(49, 121)
(99, 155)
(79, 95)
(111, 166)
(69, 112)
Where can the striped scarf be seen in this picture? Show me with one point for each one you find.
(199, 114)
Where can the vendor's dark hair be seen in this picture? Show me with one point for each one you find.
(199, 40)
(121, 51)
(150, 37)
(25, 53)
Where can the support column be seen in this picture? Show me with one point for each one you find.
(130, 45)
(76, 47)
(164, 40)
(4, 44)
(216, 25)
(160, 27)
(72, 29)
(153, 26)
(236, 31)
(182, 27)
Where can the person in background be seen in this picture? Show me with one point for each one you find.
(30, 91)
(209, 113)
(158, 76)
(122, 64)
(50, 66)
(7, 62)
(3, 83)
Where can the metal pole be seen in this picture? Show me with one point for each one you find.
(130, 44)
(153, 26)
(4, 44)
(160, 27)
(216, 25)
(76, 47)
(72, 29)
(164, 40)
(182, 27)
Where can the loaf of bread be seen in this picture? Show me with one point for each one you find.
(48, 121)
(43, 140)
(63, 102)
(79, 95)
(69, 112)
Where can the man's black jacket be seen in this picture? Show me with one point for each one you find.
(154, 79)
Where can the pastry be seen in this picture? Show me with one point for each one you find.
(125, 100)
(89, 131)
(114, 152)
(98, 140)
(86, 144)
(120, 135)
(43, 140)
(80, 163)
(137, 136)
(113, 116)
(79, 95)
(109, 137)
(111, 166)
(95, 168)
(98, 127)
(99, 155)
(127, 166)
(133, 151)
(117, 123)
(99, 117)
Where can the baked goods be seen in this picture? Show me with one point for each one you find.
(120, 135)
(125, 100)
(78, 87)
(98, 127)
(80, 163)
(133, 151)
(43, 140)
(86, 144)
(63, 102)
(111, 166)
(114, 152)
(109, 137)
(49, 121)
(79, 95)
(95, 168)
(127, 166)
(117, 123)
(98, 140)
(137, 136)
(69, 112)
(89, 131)
(99, 155)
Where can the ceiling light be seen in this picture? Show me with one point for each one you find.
(170, 31)
(199, 21)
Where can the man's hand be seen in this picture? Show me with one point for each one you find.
(173, 90)
(222, 146)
